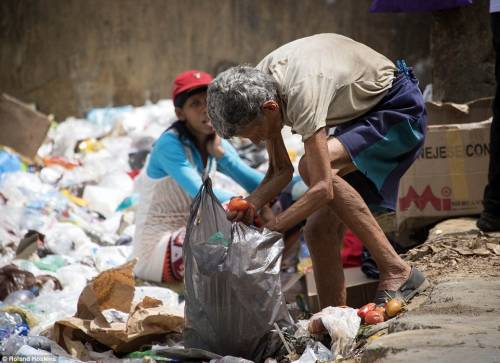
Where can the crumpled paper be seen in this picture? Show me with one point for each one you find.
(114, 289)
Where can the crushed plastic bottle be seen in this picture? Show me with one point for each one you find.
(19, 297)
(8, 323)
(12, 325)
(12, 345)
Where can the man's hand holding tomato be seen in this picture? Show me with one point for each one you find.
(240, 209)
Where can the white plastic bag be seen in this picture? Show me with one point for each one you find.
(342, 325)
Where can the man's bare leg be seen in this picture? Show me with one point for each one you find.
(323, 233)
(354, 213)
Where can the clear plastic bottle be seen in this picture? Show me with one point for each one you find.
(19, 297)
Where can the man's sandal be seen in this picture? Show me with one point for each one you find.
(415, 284)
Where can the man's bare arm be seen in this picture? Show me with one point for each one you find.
(278, 175)
(320, 180)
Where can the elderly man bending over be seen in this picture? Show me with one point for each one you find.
(325, 85)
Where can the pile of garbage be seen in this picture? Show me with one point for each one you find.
(67, 288)
(66, 216)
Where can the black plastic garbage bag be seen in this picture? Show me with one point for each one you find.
(233, 288)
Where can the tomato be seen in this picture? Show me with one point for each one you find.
(238, 204)
(393, 307)
(374, 317)
(366, 308)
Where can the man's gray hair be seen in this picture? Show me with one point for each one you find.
(235, 98)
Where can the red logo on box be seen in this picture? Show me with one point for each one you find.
(427, 196)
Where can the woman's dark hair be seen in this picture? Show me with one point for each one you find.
(182, 130)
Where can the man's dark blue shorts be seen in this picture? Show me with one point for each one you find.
(384, 142)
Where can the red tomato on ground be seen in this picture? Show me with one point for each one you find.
(374, 317)
(366, 308)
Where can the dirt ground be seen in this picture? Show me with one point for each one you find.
(457, 248)
(463, 266)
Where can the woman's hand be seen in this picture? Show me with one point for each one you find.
(214, 147)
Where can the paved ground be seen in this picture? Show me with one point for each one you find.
(458, 319)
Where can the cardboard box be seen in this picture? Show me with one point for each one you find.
(360, 289)
(21, 127)
(449, 177)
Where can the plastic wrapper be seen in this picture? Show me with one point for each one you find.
(149, 120)
(233, 288)
(111, 256)
(105, 118)
(103, 200)
(68, 133)
(68, 239)
(75, 276)
(316, 353)
(9, 162)
(50, 306)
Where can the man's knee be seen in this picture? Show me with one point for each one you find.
(340, 160)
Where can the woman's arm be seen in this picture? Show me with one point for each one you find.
(320, 190)
(169, 156)
(232, 165)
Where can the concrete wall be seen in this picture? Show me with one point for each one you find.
(70, 55)
(462, 53)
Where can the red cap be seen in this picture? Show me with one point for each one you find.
(189, 80)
